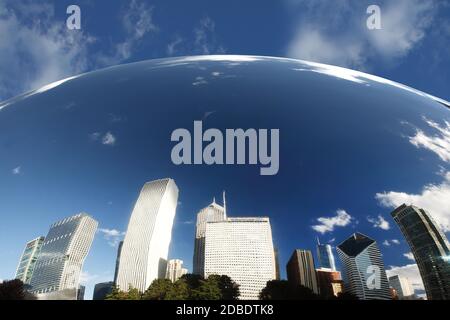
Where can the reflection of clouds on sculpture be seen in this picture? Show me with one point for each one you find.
(434, 197)
(409, 271)
(438, 143)
(328, 224)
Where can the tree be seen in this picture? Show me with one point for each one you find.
(229, 288)
(346, 296)
(208, 289)
(14, 290)
(158, 290)
(283, 290)
(117, 294)
(179, 291)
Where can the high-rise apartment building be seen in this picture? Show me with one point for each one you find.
(143, 257)
(58, 268)
(430, 248)
(363, 268)
(28, 260)
(175, 270)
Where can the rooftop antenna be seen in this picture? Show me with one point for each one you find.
(214, 200)
(224, 205)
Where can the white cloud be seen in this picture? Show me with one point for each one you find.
(16, 170)
(205, 41)
(409, 256)
(172, 47)
(109, 139)
(379, 222)
(395, 241)
(113, 236)
(434, 198)
(438, 143)
(335, 31)
(388, 243)
(327, 224)
(411, 272)
(48, 51)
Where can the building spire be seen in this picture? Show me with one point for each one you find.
(224, 204)
(214, 200)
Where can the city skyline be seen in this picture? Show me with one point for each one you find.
(204, 214)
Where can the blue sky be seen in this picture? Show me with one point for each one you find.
(36, 48)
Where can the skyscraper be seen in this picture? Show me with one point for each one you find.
(143, 257)
(211, 213)
(402, 287)
(28, 260)
(119, 251)
(57, 271)
(101, 290)
(300, 270)
(430, 248)
(363, 268)
(241, 248)
(175, 270)
(325, 256)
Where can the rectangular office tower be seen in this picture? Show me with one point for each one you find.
(241, 248)
(213, 212)
(143, 256)
(301, 271)
(28, 260)
(430, 248)
(175, 270)
(363, 268)
(57, 271)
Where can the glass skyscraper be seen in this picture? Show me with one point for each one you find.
(57, 271)
(28, 260)
(213, 212)
(363, 268)
(430, 248)
(325, 256)
(143, 256)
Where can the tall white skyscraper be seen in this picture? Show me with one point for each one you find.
(57, 271)
(175, 270)
(211, 213)
(28, 260)
(403, 287)
(143, 257)
(241, 248)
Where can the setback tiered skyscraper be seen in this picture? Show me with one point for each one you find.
(57, 271)
(241, 248)
(175, 270)
(28, 260)
(301, 271)
(325, 256)
(430, 248)
(143, 257)
(211, 213)
(363, 268)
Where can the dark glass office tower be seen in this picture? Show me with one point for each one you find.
(430, 248)
(363, 268)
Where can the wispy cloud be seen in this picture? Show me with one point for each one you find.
(327, 224)
(16, 170)
(433, 198)
(388, 243)
(405, 23)
(113, 236)
(107, 139)
(409, 256)
(205, 41)
(379, 222)
(172, 47)
(439, 143)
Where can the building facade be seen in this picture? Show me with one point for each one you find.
(119, 251)
(102, 290)
(402, 287)
(241, 248)
(325, 256)
(60, 262)
(430, 248)
(175, 270)
(143, 257)
(301, 271)
(363, 268)
(28, 260)
(329, 282)
(211, 213)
